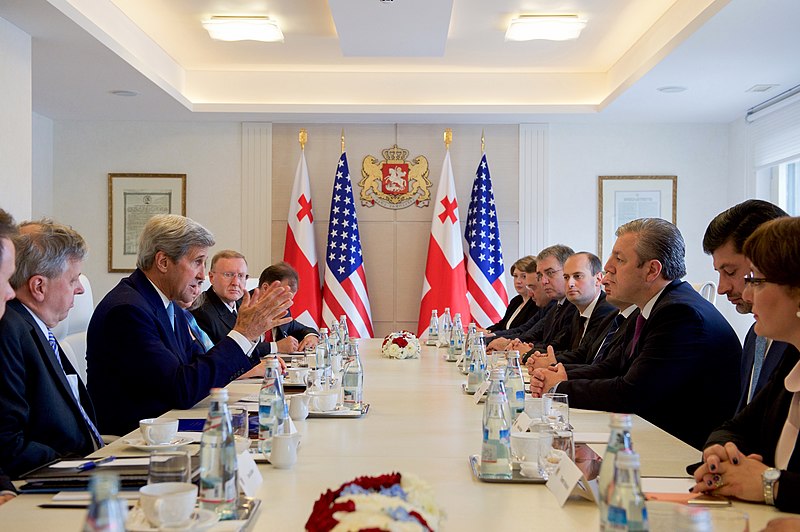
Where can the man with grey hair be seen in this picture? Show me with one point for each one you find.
(679, 348)
(141, 359)
(47, 413)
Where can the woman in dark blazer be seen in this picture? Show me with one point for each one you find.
(521, 307)
(755, 456)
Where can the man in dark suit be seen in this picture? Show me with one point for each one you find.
(680, 343)
(7, 256)
(297, 335)
(583, 273)
(141, 359)
(46, 411)
(724, 239)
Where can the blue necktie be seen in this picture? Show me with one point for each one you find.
(198, 333)
(171, 314)
(758, 362)
(615, 325)
(98, 440)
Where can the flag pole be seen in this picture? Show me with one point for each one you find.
(342, 140)
(302, 138)
(483, 143)
(448, 138)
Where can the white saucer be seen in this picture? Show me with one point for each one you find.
(142, 445)
(200, 520)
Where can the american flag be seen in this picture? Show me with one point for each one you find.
(345, 287)
(486, 289)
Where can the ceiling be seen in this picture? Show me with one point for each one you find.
(407, 60)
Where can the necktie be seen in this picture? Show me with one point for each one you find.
(576, 339)
(637, 332)
(171, 314)
(758, 362)
(615, 325)
(268, 336)
(98, 440)
(199, 333)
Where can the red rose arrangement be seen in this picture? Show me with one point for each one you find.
(400, 344)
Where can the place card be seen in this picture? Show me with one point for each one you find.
(568, 480)
(522, 422)
(481, 391)
(249, 476)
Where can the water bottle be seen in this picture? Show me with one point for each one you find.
(433, 329)
(324, 357)
(689, 519)
(106, 511)
(472, 334)
(344, 333)
(271, 403)
(619, 440)
(515, 386)
(626, 507)
(456, 346)
(333, 338)
(477, 364)
(353, 379)
(445, 328)
(496, 448)
(218, 489)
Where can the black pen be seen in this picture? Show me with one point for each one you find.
(94, 463)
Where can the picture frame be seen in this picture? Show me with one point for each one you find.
(132, 200)
(625, 198)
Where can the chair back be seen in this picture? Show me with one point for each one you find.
(71, 332)
(708, 290)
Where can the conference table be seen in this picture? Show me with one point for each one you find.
(421, 422)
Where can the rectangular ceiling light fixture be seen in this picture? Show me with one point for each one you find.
(545, 27)
(230, 28)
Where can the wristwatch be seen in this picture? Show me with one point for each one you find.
(768, 479)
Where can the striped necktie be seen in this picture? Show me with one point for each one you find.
(615, 325)
(98, 440)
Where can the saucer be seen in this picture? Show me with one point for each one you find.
(142, 445)
(200, 520)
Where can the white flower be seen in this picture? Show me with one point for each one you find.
(390, 349)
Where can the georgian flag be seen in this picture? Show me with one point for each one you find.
(486, 289)
(445, 283)
(345, 287)
(300, 249)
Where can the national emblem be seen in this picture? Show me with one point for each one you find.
(395, 183)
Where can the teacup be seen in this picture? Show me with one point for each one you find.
(168, 503)
(525, 446)
(158, 431)
(296, 375)
(324, 400)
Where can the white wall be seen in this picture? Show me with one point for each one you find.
(15, 120)
(42, 170)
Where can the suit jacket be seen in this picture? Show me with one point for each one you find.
(757, 429)
(139, 367)
(525, 314)
(6, 484)
(774, 356)
(534, 323)
(684, 342)
(39, 418)
(556, 328)
(599, 322)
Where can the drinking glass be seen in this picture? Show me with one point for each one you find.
(555, 410)
(554, 446)
(169, 467)
(240, 421)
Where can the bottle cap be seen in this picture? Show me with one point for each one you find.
(512, 354)
(272, 362)
(621, 421)
(498, 375)
(323, 330)
(627, 459)
(220, 394)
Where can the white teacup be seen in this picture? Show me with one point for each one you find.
(323, 401)
(296, 375)
(525, 446)
(168, 503)
(158, 431)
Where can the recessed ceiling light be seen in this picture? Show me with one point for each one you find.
(126, 93)
(545, 27)
(226, 28)
(671, 89)
(762, 87)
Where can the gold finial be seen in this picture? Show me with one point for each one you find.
(342, 140)
(483, 143)
(448, 137)
(303, 138)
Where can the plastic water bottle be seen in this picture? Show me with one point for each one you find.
(515, 386)
(619, 440)
(433, 329)
(626, 507)
(106, 511)
(324, 357)
(353, 379)
(271, 404)
(477, 364)
(496, 448)
(445, 328)
(218, 489)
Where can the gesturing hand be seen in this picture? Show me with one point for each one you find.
(264, 310)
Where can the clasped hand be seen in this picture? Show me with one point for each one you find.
(542, 379)
(726, 471)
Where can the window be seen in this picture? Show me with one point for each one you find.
(780, 184)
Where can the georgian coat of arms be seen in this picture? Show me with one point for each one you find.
(395, 183)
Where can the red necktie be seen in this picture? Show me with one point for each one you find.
(637, 332)
(268, 335)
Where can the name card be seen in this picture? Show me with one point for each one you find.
(250, 478)
(568, 480)
(522, 422)
(481, 391)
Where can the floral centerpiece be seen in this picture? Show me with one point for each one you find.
(400, 344)
(387, 502)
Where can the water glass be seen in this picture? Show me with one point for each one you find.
(554, 446)
(555, 410)
(240, 421)
(169, 467)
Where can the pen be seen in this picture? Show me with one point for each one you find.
(94, 463)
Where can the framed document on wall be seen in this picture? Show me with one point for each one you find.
(625, 198)
(132, 200)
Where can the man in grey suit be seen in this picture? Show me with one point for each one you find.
(723, 240)
(46, 411)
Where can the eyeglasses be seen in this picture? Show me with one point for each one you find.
(550, 273)
(230, 275)
(755, 281)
